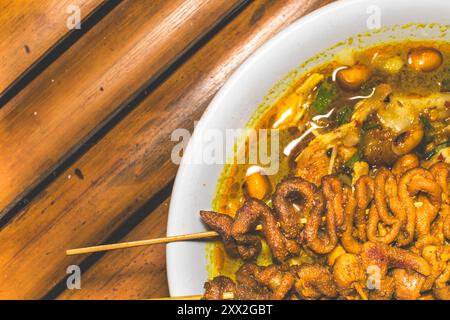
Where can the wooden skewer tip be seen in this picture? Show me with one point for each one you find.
(360, 291)
(226, 296)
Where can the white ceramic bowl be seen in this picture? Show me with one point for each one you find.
(236, 102)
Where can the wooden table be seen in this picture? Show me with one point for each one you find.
(85, 122)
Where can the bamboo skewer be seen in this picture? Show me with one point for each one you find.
(226, 296)
(192, 236)
(360, 291)
(230, 295)
(139, 243)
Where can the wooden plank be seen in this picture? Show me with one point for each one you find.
(88, 84)
(137, 273)
(131, 164)
(105, 282)
(140, 273)
(29, 29)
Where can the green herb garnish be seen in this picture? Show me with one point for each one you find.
(445, 84)
(426, 124)
(344, 115)
(345, 179)
(359, 155)
(351, 162)
(439, 147)
(369, 126)
(428, 135)
(325, 96)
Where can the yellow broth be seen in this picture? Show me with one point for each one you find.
(381, 59)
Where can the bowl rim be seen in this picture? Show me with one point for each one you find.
(223, 92)
(216, 101)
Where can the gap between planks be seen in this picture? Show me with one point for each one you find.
(54, 51)
(216, 73)
(128, 226)
(20, 202)
(102, 278)
(26, 208)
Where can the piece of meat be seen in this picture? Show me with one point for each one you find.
(442, 287)
(215, 289)
(347, 239)
(333, 191)
(313, 163)
(252, 213)
(290, 190)
(385, 291)
(441, 231)
(386, 200)
(430, 197)
(221, 223)
(316, 240)
(408, 284)
(268, 283)
(377, 147)
(278, 281)
(437, 257)
(438, 280)
(245, 275)
(405, 163)
(347, 271)
(384, 257)
(412, 183)
(364, 193)
(314, 282)
(373, 227)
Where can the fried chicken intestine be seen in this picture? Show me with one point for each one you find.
(316, 240)
(398, 221)
(252, 213)
(287, 191)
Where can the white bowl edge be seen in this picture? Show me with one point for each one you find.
(195, 185)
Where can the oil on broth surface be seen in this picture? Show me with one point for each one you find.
(330, 104)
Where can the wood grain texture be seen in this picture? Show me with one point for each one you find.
(192, 85)
(140, 273)
(29, 29)
(88, 84)
(130, 165)
(136, 273)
